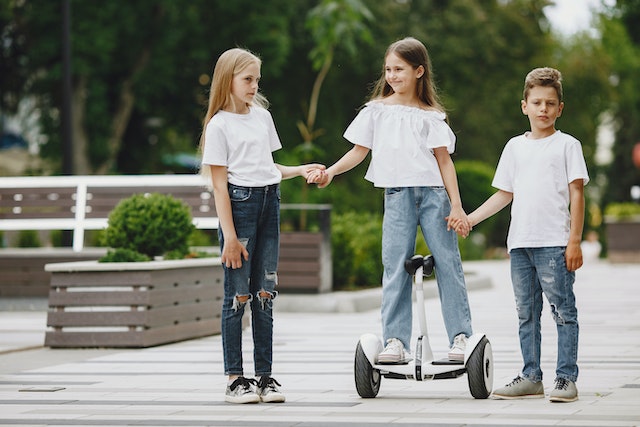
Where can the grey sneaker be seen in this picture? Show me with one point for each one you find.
(268, 390)
(520, 388)
(456, 352)
(241, 391)
(564, 391)
(394, 353)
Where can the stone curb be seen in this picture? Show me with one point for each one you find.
(358, 301)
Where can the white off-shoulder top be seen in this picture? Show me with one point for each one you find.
(401, 140)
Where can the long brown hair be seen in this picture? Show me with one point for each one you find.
(415, 54)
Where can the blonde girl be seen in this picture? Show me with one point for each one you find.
(237, 142)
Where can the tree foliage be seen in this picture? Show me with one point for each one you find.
(621, 42)
(141, 70)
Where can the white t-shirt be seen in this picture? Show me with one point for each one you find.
(401, 140)
(243, 143)
(538, 173)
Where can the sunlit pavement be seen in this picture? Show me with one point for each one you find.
(183, 384)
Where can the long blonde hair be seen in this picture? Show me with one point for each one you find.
(415, 54)
(229, 64)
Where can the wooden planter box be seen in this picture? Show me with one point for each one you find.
(138, 304)
(23, 274)
(623, 241)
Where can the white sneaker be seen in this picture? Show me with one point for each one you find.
(394, 353)
(456, 352)
(268, 390)
(241, 391)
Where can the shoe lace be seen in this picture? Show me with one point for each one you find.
(459, 341)
(243, 382)
(268, 382)
(394, 344)
(515, 381)
(562, 384)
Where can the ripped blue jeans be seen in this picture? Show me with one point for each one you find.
(535, 271)
(256, 216)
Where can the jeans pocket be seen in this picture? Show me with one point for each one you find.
(239, 194)
(392, 190)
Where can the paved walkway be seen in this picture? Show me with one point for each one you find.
(182, 384)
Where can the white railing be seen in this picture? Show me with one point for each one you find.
(79, 184)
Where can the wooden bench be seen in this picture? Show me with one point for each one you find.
(81, 203)
(137, 304)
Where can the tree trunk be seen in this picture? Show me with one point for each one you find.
(81, 162)
(122, 114)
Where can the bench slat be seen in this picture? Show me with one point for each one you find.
(170, 315)
(134, 339)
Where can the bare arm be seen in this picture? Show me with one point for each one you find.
(233, 251)
(573, 254)
(457, 218)
(491, 206)
(348, 161)
(302, 170)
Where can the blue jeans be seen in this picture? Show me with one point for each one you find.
(404, 209)
(256, 216)
(535, 271)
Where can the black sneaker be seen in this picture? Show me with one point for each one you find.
(241, 391)
(268, 390)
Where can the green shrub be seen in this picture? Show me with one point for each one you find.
(474, 181)
(356, 240)
(28, 239)
(124, 255)
(203, 238)
(356, 245)
(625, 210)
(150, 224)
(57, 238)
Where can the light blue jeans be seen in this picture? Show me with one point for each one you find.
(404, 209)
(256, 216)
(535, 271)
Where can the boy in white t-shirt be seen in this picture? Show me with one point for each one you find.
(542, 173)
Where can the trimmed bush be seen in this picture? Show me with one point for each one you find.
(150, 224)
(124, 255)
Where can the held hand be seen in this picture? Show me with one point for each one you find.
(311, 169)
(458, 221)
(320, 177)
(233, 253)
(463, 229)
(313, 176)
(573, 256)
